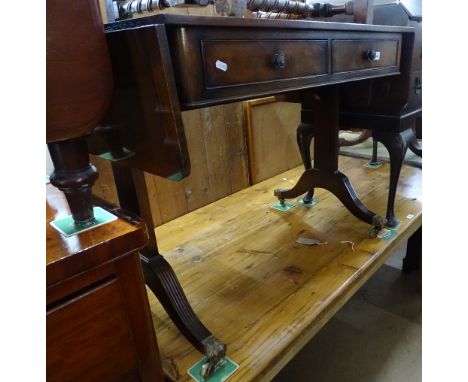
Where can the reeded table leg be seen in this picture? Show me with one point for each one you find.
(163, 282)
(159, 275)
(321, 110)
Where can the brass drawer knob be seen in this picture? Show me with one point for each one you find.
(279, 60)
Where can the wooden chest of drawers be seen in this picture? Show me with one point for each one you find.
(99, 327)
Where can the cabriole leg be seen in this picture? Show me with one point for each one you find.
(305, 133)
(397, 145)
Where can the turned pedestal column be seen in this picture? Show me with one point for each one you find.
(79, 88)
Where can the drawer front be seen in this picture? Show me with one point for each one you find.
(230, 63)
(353, 55)
(89, 338)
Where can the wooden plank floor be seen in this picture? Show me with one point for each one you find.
(256, 289)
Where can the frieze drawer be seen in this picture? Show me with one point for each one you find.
(238, 62)
(354, 55)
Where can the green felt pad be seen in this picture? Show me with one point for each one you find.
(110, 157)
(67, 227)
(287, 206)
(177, 177)
(373, 165)
(312, 203)
(223, 371)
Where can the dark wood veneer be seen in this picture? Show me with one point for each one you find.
(254, 61)
(79, 88)
(99, 325)
(350, 55)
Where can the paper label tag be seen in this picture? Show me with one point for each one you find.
(227, 368)
(307, 241)
(221, 65)
(377, 56)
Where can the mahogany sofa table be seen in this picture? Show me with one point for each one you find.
(165, 64)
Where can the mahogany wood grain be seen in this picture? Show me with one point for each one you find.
(98, 321)
(348, 55)
(119, 237)
(302, 58)
(154, 59)
(145, 98)
(79, 88)
(298, 74)
(79, 77)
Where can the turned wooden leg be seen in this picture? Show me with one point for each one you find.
(413, 259)
(159, 275)
(305, 133)
(321, 108)
(397, 144)
(75, 176)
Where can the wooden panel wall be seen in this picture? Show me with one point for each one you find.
(271, 137)
(218, 155)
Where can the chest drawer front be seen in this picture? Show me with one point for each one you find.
(89, 338)
(238, 62)
(352, 55)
